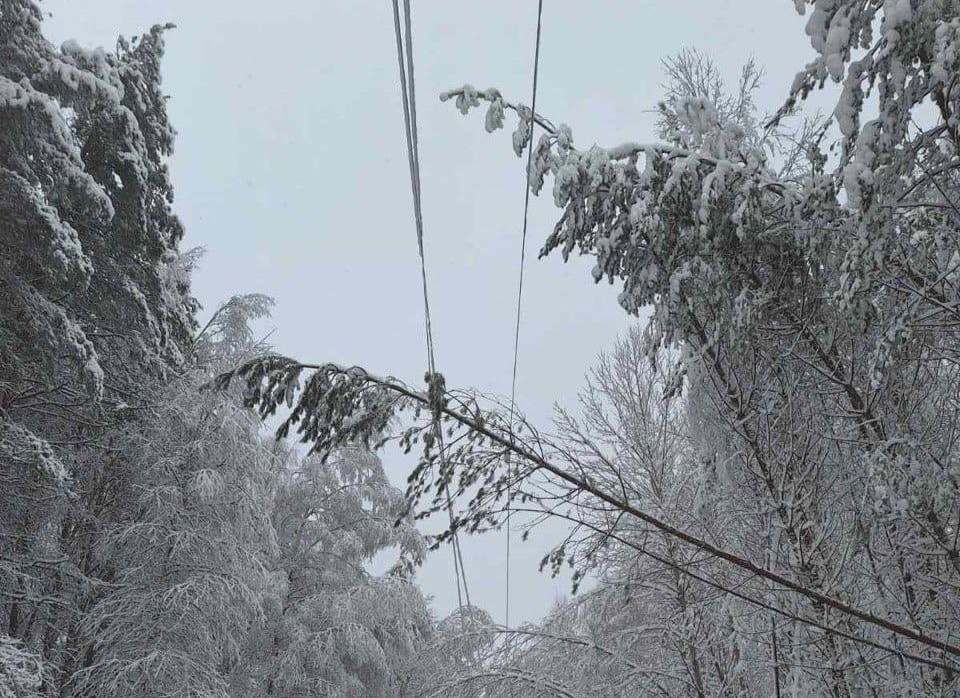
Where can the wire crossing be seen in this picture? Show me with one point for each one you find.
(523, 256)
(409, 98)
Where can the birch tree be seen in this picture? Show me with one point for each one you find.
(331, 626)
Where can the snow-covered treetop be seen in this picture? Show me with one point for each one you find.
(86, 194)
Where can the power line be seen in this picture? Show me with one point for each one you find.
(413, 160)
(408, 92)
(523, 256)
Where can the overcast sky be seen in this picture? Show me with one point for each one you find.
(290, 169)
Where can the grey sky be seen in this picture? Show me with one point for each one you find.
(291, 170)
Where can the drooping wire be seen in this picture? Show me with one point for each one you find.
(523, 255)
(458, 551)
(413, 161)
(408, 93)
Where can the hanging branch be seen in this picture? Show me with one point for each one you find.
(337, 406)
